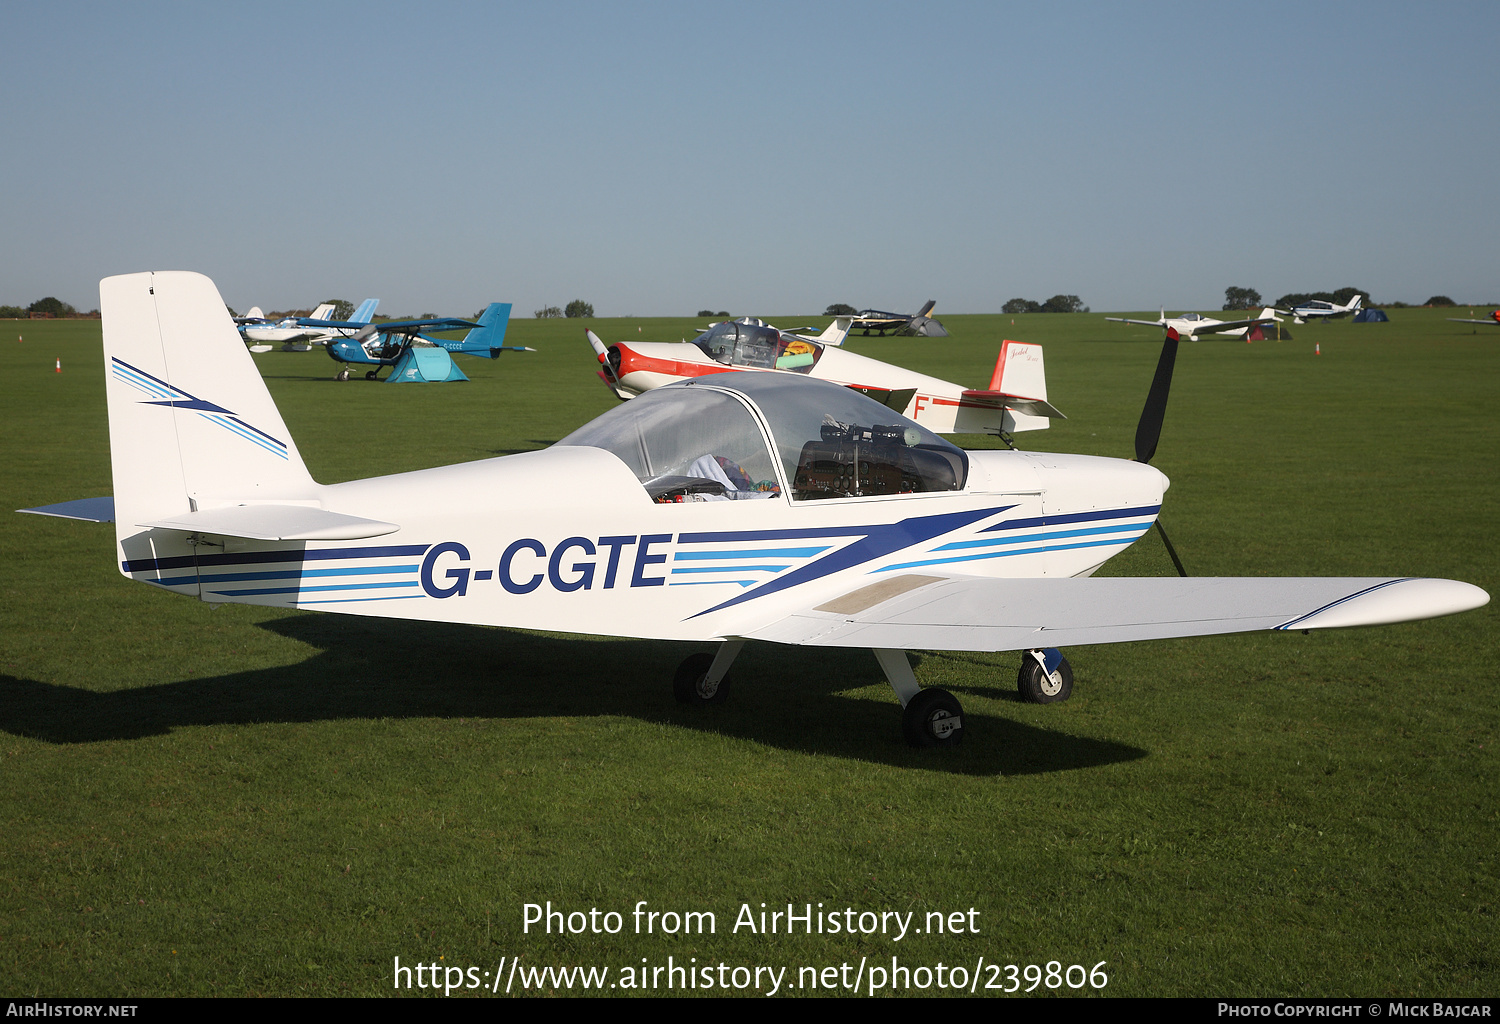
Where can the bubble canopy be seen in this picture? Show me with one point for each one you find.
(829, 441)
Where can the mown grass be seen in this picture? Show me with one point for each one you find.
(245, 801)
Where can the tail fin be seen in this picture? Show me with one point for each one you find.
(1268, 313)
(254, 313)
(364, 312)
(1357, 300)
(1017, 391)
(927, 309)
(191, 424)
(489, 337)
(1019, 371)
(323, 312)
(836, 332)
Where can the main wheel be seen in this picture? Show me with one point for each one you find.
(1037, 686)
(371, 375)
(690, 684)
(342, 374)
(933, 718)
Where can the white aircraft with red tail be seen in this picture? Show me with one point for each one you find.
(1016, 399)
(725, 508)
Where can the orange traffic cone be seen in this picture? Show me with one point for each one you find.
(59, 367)
(1317, 350)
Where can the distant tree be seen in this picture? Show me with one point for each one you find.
(840, 309)
(1241, 298)
(1017, 306)
(1343, 296)
(12, 313)
(548, 312)
(1063, 304)
(579, 308)
(1440, 300)
(707, 312)
(343, 309)
(51, 306)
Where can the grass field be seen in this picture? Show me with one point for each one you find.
(247, 801)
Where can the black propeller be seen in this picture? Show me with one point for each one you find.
(1148, 431)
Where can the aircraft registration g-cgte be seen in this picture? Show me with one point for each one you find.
(1015, 400)
(728, 508)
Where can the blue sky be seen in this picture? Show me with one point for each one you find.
(770, 158)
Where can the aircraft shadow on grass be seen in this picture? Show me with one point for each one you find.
(786, 697)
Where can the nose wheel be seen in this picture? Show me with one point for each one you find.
(1045, 677)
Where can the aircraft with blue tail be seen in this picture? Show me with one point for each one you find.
(300, 334)
(413, 352)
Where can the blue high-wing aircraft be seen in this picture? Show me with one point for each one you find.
(416, 356)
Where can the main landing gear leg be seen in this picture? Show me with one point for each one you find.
(704, 678)
(931, 717)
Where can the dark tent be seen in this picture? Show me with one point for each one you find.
(1371, 316)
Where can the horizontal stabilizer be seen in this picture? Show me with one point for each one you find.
(88, 510)
(275, 522)
(966, 613)
(1028, 406)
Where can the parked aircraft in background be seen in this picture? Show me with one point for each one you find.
(1190, 325)
(1015, 400)
(300, 334)
(1319, 309)
(743, 506)
(919, 324)
(414, 355)
(1493, 320)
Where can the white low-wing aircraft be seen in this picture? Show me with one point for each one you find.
(1190, 325)
(1492, 320)
(300, 334)
(1321, 309)
(727, 508)
(1015, 400)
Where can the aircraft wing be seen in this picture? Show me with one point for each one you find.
(1143, 323)
(1232, 325)
(1492, 322)
(418, 326)
(967, 613)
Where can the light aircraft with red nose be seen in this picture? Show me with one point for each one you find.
(1016, 399)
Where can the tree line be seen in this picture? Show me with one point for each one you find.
(50, 306)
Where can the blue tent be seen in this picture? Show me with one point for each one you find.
(424, 365)
(1371, 316)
